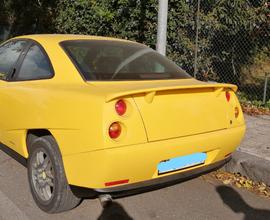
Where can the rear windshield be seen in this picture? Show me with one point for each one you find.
(107, 60)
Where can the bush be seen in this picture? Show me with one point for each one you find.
(231, 32)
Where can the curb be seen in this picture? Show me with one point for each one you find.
(251, 166)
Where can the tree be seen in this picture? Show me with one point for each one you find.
(226, 28)
(130, 19)
(231, 33)
(233, 42)
(28, 16)
(135, 20)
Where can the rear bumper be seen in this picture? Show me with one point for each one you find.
(166, 179)
(138, 163)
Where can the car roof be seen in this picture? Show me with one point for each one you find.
(57, 38)
(65, 70)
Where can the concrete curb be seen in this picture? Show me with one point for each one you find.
(251, 166)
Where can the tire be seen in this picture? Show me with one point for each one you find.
(46, 176)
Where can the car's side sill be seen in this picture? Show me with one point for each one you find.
(22, 160)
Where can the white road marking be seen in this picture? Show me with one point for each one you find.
(9, 211)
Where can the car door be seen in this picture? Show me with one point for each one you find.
(19, 95)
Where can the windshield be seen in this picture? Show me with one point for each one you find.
(107, 60)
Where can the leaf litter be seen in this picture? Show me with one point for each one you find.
(236, 179)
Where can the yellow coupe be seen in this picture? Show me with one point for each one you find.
(109, 116)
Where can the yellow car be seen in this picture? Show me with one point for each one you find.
(109, 116)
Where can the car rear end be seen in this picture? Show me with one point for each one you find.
(159, 134)
(158, 123)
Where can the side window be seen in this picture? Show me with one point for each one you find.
(9, 54)
(35, 65)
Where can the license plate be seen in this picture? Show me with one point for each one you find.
(183, 162)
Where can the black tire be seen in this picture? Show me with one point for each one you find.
(49, 187)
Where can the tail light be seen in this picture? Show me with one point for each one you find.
(115, 130)
(228, 96)
(236, 112)
(120, 107)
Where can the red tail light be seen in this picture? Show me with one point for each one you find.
(236, 112)
(228, 95)
(115, 130)
(120, 107)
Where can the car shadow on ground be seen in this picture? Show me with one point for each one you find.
(234, 200)
(114, 211)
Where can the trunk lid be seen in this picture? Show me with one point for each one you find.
(183, 112)
(174, 108)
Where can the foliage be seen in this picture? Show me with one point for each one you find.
(253, 106)
(131, 19)
(245, 99)
(3, 14)
(242, 33)
(232, 34)
(27, 16)
(134, 20)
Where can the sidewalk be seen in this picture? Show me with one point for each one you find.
(252, 159)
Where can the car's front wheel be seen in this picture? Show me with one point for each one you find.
(47, 178)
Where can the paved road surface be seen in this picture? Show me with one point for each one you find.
(257, 140)
(195, 199)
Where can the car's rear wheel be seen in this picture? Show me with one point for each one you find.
(47, 178)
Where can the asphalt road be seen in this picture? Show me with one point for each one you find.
(194, 199)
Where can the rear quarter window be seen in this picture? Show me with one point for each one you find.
(35, 65)
(9, 54)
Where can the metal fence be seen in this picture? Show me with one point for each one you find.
(234, 56)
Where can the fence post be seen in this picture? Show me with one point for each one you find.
(265, 88)
(197, 39)
(162, 26)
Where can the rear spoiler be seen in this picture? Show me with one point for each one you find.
(150, 92)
